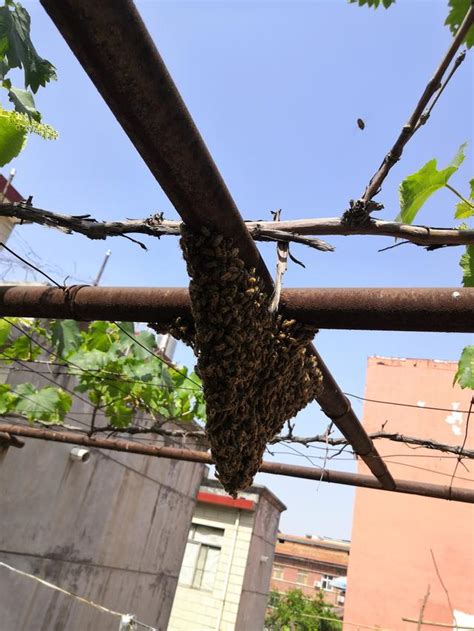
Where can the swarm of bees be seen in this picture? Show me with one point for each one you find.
(255, 367)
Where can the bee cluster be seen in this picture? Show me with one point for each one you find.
(255, 367)
(178, 328)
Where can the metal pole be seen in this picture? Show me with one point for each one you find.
(114, 47)
(309, 473)
(449, 309)
(102, 268)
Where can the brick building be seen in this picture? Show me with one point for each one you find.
(401, 544)
(309, 564)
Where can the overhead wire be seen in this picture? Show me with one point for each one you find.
(168, 387)
(406, 405)
(125, 618)
(133, 338)
(411, 466)
(76, 366)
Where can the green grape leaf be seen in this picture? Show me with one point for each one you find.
(418, 187)
(46, 404)
(65, 336)
(18, 49)
(24, 103)
(465, 372)
(22, 348)
(147, 339)
(98, 336)
(7, 399)
(457, 13)
(467, 265)
(12, 138)
(464, 209)
(5, 328)
(373, 3)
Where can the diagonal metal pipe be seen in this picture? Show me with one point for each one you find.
(114, 47)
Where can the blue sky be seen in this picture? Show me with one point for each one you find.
(275, 89)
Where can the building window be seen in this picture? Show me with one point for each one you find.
(326, 582)
(278, 572)
(201, 557)
(302, 578)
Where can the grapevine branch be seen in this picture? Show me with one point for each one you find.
(288, 438)
(420, 113)
(300, 231)
(393, 436)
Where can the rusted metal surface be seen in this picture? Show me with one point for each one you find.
(114, 47)
(310, 473)
(449, 310)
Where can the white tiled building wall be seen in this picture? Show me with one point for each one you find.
(197, 609)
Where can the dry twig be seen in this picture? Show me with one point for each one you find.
(296, 231)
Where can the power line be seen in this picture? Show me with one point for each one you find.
(150, 352)
(43, 376)
(406, 405)
(168, 387)
(411, 466)
(133, 338)
(127, 620)
(117, 376)
(37, 269)
(74, 365)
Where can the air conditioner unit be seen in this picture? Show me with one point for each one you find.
(317, 584)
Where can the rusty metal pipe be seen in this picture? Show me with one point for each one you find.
(377, 309)
(114, 47)
(116, 50)
(309, 473)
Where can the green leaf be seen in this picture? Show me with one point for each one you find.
(457, 13)
(24, 103)
(12, 138)
(463, 209)
(23, 348)
(65, 336)
(467, 265)
(418, 187)
(7, 399)
(98, 336)
(19, 51)
(147, 339)
(5, 328)
(373, 3)
(465, 373)
(47, 404)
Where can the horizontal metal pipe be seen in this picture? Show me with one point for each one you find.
(309, 473)
(376, 309)
(114, 47)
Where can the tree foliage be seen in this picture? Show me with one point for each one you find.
(457, 13)
(17, 51)
(293, 610)
(414, 192)
(418, 187)
(117, 375)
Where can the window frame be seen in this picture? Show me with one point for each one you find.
(198, 568)
(326, 582)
